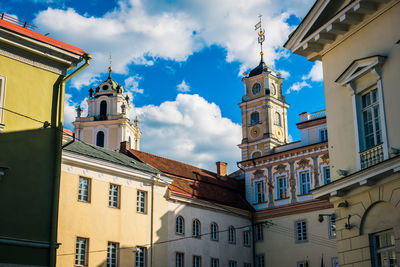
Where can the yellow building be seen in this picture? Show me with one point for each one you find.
(33, 71)
(358, 44)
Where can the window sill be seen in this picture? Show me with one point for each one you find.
(143, 213)
(2, 126)
(256, 203)
(84, 201)
(301, 241)
(215, 240)
(279, 199)
(197, 237)
(181, 234)
(302, 195)
(112, 207)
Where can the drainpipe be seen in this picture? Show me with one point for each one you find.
(56, 184)
(155, 179)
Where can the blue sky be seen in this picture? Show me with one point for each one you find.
(181, 62)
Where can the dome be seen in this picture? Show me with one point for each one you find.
(258, 70)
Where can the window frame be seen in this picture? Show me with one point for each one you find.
(300, 183)
(323, 135)
(362, 109)
(325, 167)
(231, 235)
(332, 226)
(386, 249)
(259, 232)
(214, 235)
(138, 203)
(144, 251)
(3, 83)
(108, 264)
(198, 257)
(257, 193)
(258, 263)
(182, 259)
(182, 226)
(232, 263)
(277, 119)
(247, 238)
(212, 264)
(196, 235)
(303, 234)
(119, 197)
(253, 121)
(278, 187)
(86, 260)
(89, 189)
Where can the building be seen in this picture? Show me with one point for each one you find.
(33, 72)
(358, 44)
(107, 123)
(209, 221)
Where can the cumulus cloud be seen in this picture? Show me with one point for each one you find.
(297, 87)
(285, 74)
(69, 110)
(132, 84)
(183, 87)
(139, 31)
(316, 73)
(189, 129)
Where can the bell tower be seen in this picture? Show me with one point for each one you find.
(264, 110)
(107, 123)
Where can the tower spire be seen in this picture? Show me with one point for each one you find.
(261, 37)
(109, 66)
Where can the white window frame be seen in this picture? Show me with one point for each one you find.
(112, 202)
(259, 232)
(214, 262)
(278, 187)
(299, 172)
(196, 261)
(179, 259)
(81, 251)
(255, 182)
(232, 235)
(323, 173)
(260, 260)
(332, 226)
(140, 259)
(214, 231)
(112, 251)
(141, 201)
(82, 192)
(196, 228)
(301, 236)
(3, 82)
(180, 225)
(247, 238)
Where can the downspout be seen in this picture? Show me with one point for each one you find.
(152, 218)
(56, 185)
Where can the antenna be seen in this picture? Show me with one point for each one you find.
(261, 36)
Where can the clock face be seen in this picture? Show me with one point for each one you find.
(256, 89)
(255, 131)
(273, 89)
(278, 133)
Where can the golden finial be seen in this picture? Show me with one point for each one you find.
(261, 36)
(109, 66)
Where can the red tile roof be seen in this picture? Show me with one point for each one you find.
(40, 37)
(195, 182)
(68, 132)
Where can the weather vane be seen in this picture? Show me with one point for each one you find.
(261, 35)
(109, 67)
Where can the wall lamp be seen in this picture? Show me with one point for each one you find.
(343, 204)
(348, 225)
(342, 172)
(135, 249)
(321, 216)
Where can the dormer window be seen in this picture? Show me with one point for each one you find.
(105, 87)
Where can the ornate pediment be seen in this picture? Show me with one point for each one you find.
(303, 162)
(325, 158)
(258, 173)
(280, 168)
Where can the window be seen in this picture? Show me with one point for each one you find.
(232, 264)
(372, 135)
(301, 231)
(246, 238)
(179, 259)
(84, 189)
(323, 135)
(180, 225)
(305, 182)
(277, 119)
(141, 201)
(335, 262)
(196, 261)
(384, 249)
(2, 101)
(214, 262)
(81, 252)
(214, 231)
(326, 173)
(255, 118)
(232, 235)
(112, 254)
(246, 264)
(196, 228)
(113, 197)
(259, 192)
(259, 232)
(141, 257)
(260, 261)
(103, 110)
(100, 139)
(301, 264)
(281, 189)
(332, 226)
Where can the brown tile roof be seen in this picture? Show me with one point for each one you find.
(195, 182)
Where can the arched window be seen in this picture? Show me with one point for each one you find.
(232, 235)
(277, 118)
(180, 225)
(214, 231)
(196, 228)
(255, 118)
(100, 139)
(256, 154)
(103, 110)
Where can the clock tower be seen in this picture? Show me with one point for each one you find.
(264, 110)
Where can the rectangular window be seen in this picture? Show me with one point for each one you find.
(372, 134)
(112, 254)
(141, 257)
(214, 262)
(2, 101)
(260, 196)
(326, 173)
(179, 259)
(301, 264)
(246, 264)
(259, 232)
(384, 249)
(301, 231)
(332, 226)
(81, 252)
(141, 201)
(335, 262)
(84, 189)
(282, 191)
(114, 196)
(247, 238)
(196, 261)
(323, 135)
(305, 182)
(260, 261)
(232, 264)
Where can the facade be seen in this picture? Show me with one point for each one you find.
(33, 71)
(358, 44)
(113, 209)
(107, 123)
(209, 221)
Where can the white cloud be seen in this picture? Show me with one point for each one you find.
(297, 87)
(69, 110)
(285, 74)
(191, 130)
(183, 87)
(316, 73)
(139, 31)
(132, 84)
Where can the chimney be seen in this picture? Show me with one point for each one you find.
(221, 168)
(124, 146)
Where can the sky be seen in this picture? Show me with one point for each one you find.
(181, 62)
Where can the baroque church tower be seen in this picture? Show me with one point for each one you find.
(264, 110)
(107, 123)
